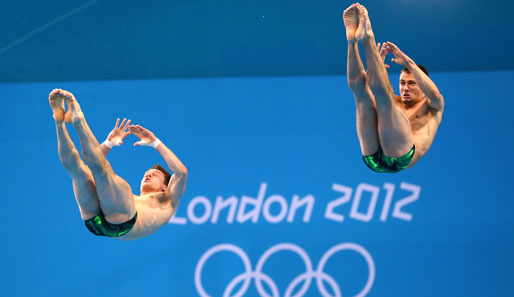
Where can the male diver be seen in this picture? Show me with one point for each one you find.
(105, 200)
(394, 131)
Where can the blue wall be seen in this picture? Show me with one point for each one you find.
(441, 228)
(77, 40)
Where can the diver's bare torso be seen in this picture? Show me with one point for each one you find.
(424, 122)
(153, 211)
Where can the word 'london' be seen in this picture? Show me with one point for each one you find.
(200, 209)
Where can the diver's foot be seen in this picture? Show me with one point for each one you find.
(57, 104)
(351, 21)
(364, 30)
(74, 114)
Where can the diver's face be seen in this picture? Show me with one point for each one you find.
(409, 89)
(153, 181)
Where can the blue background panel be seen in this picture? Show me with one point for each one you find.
(277, 138)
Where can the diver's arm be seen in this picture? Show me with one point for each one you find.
(435, 99)
(116, 136)
(177, 183)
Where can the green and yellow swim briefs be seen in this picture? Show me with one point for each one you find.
(98, 225)
(379, 162)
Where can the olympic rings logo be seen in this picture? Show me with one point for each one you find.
(305, 277)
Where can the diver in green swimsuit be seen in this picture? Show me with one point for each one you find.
(106, 201)
(394, 131)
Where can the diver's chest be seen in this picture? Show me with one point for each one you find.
(419, 116)
(419, 121)
(151, 200)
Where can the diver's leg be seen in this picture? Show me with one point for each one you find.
(114, 193)
(394, 127)
(366, 114)
(83, 182)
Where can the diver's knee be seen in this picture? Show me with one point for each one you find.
(71, 163)
(378, 88)
(99, 166)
